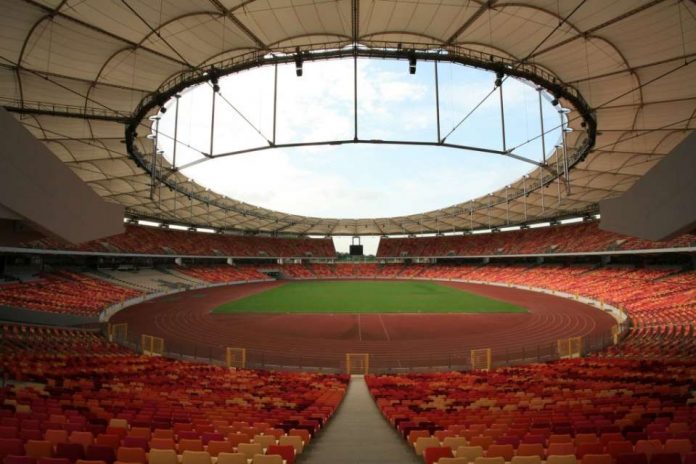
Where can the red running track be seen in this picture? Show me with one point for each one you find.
(186, 323)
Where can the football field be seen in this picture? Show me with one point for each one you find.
(366, 297)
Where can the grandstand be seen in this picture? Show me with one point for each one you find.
(131, 246)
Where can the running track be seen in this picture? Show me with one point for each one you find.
(186, 323)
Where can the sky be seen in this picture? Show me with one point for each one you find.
(356, 180)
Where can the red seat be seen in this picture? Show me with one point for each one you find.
(71, 451)
(287, 452)
(432, 455)
(11, 446)
(666, 458)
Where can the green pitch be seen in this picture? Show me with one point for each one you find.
(366, 297)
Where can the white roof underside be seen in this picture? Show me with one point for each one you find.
(631, 60)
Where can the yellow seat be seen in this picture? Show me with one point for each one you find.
(469, 452)
(533, 459)
(250, 449)
(561, 459)
(162, 456)
(195, 457)
(493, 460)
(422, 443)
(452, 461)
(454, 442)
(232, 458)
(267, 459)
(120, 423)
(264, 440)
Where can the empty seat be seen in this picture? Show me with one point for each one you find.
(560, 449)
(597, 459)
(594, 448)
(119, 423)
(530, 449)
(190, 444)
(267, 459)
(632, 458)
(162, 444)
(666, 458)
(287, 452)
(216, 447)
(614, 448)
(531, 459)
(11, 446)
(100, 453)
(105, 439)
(491, 460)
(264, 440)
(433, 454)
(83, 438)
(250, 449)
(561, 459)
(422, 443)
(483, 441)
(162, 456)
(678, 445)
(230, 458)
(292, 440)
(38, 449)
(56, 436)
(195, 457)
(469, 452)
(454, 442)
(504, 451)
(127, 454)
(649, 447)
(453, 461)
(71, 451)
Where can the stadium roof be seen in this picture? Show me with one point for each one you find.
(78, 72)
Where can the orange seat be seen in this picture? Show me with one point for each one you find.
(530, 449)
(560, 449)
(484, 441)
(216, 447)
(504, 451)
(190, 444)
(597, 459)
(131, 455)
(162, 443)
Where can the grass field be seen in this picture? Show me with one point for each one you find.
(366, 297)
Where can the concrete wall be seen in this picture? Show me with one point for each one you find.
(41, 190)
(662, 204)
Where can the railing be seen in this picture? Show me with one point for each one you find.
(379, 363)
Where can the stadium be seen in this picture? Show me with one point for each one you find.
(348, 231)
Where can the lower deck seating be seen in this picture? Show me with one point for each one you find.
(65, 292)
(224, 273)
(81, 397)
(575, 407)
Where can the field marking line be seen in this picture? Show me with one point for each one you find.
(384, 327)
(359, 328)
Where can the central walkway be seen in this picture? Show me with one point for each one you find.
(358, 434)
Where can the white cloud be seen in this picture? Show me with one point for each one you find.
(352, 180)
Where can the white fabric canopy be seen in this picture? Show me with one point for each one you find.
(631, 60)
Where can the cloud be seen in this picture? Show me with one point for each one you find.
(352, 180)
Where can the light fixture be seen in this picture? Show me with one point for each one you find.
(412, 63)
(298, 62)
(499, 78)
